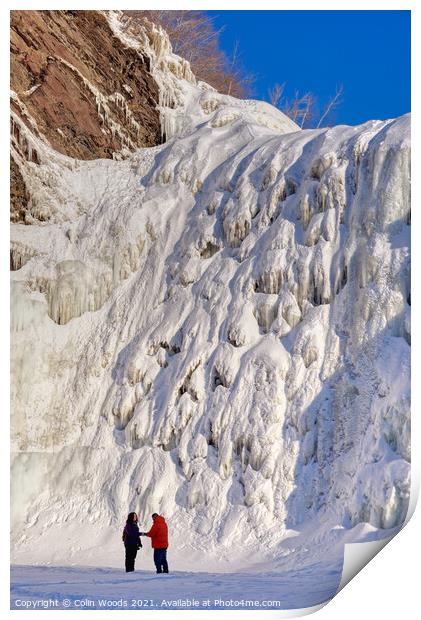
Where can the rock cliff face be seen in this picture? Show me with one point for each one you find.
(18, 194)
(76, 85)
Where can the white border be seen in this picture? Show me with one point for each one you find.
(388, 586)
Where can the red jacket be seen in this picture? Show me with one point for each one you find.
(158, 533)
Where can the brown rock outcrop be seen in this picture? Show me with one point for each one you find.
(89, 95)
(18, 194)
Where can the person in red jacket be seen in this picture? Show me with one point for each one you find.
(159, 540)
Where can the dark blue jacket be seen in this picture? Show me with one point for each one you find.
(131, 534)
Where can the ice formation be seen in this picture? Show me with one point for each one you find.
(216, 329)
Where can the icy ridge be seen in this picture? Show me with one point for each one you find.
(179, 90)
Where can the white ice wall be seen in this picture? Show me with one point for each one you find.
(216, 329)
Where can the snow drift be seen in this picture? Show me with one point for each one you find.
(215, 329)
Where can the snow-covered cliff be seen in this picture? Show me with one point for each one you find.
(215, 328)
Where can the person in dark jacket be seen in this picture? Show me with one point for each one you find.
(159, 540)
(131, 539)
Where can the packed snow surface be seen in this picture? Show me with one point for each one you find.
(108, 588)
(215, 329)
(279, 584)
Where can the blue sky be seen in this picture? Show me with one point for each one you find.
(368, 52)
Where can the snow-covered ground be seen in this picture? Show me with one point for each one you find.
(215, 329)
(109, 588)
(307, 571)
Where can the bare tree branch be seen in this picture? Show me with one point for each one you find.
(307, 111)
(276, 93)
(193, 36)
(302, 109)
(331, 105)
